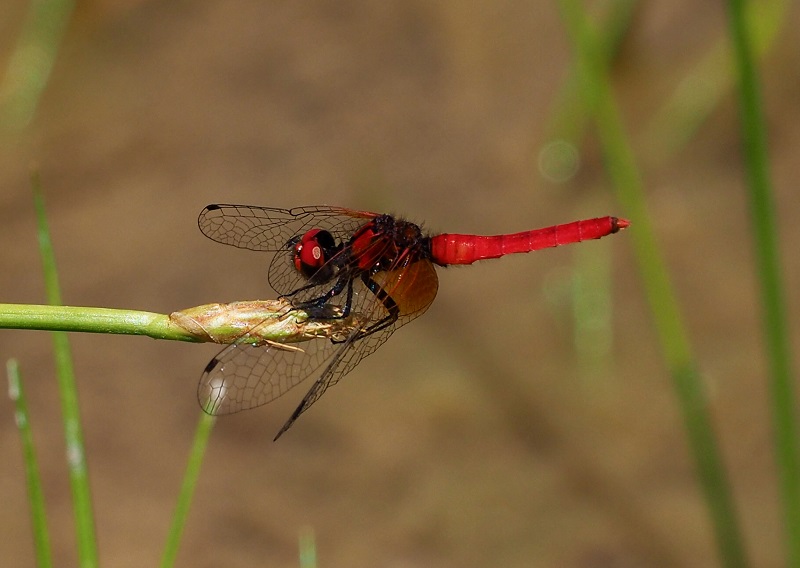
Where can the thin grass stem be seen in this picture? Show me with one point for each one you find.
(308, 548)
(765, 240)
(255, 321)
(41, 536)
(31, 62)
(672, 335)
(701, 89)
(91, 320)
(570, 116)
(76, 456)
(201, 436)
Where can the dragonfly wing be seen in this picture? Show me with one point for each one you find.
(269, 229)
(415, 288)
(277, 230)
(346, 358)
(244, 376)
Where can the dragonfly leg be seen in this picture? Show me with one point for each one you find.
(321, 300)
(317, 307)
(393, 310)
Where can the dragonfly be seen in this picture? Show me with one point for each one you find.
(333, 262)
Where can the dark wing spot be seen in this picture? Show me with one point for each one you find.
(211, 364)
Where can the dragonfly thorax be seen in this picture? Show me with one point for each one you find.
(384, 242)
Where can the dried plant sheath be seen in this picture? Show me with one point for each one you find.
(261, 321)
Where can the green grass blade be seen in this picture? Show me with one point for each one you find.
(31, 62)
(592, 311)
(91, 320)
(703, 87)
(667, 317)
(570, 116)
(308, 548)
(76, 457)
(762, 211)
(41, 538)
(201, 436)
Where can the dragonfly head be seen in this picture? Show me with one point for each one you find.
(312, 251)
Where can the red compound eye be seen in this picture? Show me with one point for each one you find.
(310, 252)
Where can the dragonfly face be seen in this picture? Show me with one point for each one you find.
(313, 253)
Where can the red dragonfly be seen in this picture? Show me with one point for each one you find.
(331, 262)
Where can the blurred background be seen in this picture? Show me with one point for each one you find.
(527, 419)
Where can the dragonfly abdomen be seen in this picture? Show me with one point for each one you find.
(466, 249)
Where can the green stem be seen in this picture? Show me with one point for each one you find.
(31, 62)
(308, 548)
(41, 536)
(672, 335)
(762, 209)
(65, 373)
(255, 321)
(92, 320)
(202, 434)
(571, 115)
(701, 89)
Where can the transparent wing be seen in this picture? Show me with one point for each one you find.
(242, 376)
(269, 229)
(275, 230)
(413, 288)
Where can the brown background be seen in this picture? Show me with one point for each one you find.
(472, 438)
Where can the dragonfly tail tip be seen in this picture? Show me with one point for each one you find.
(620, 224)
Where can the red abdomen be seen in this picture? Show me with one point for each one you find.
(466, 249)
